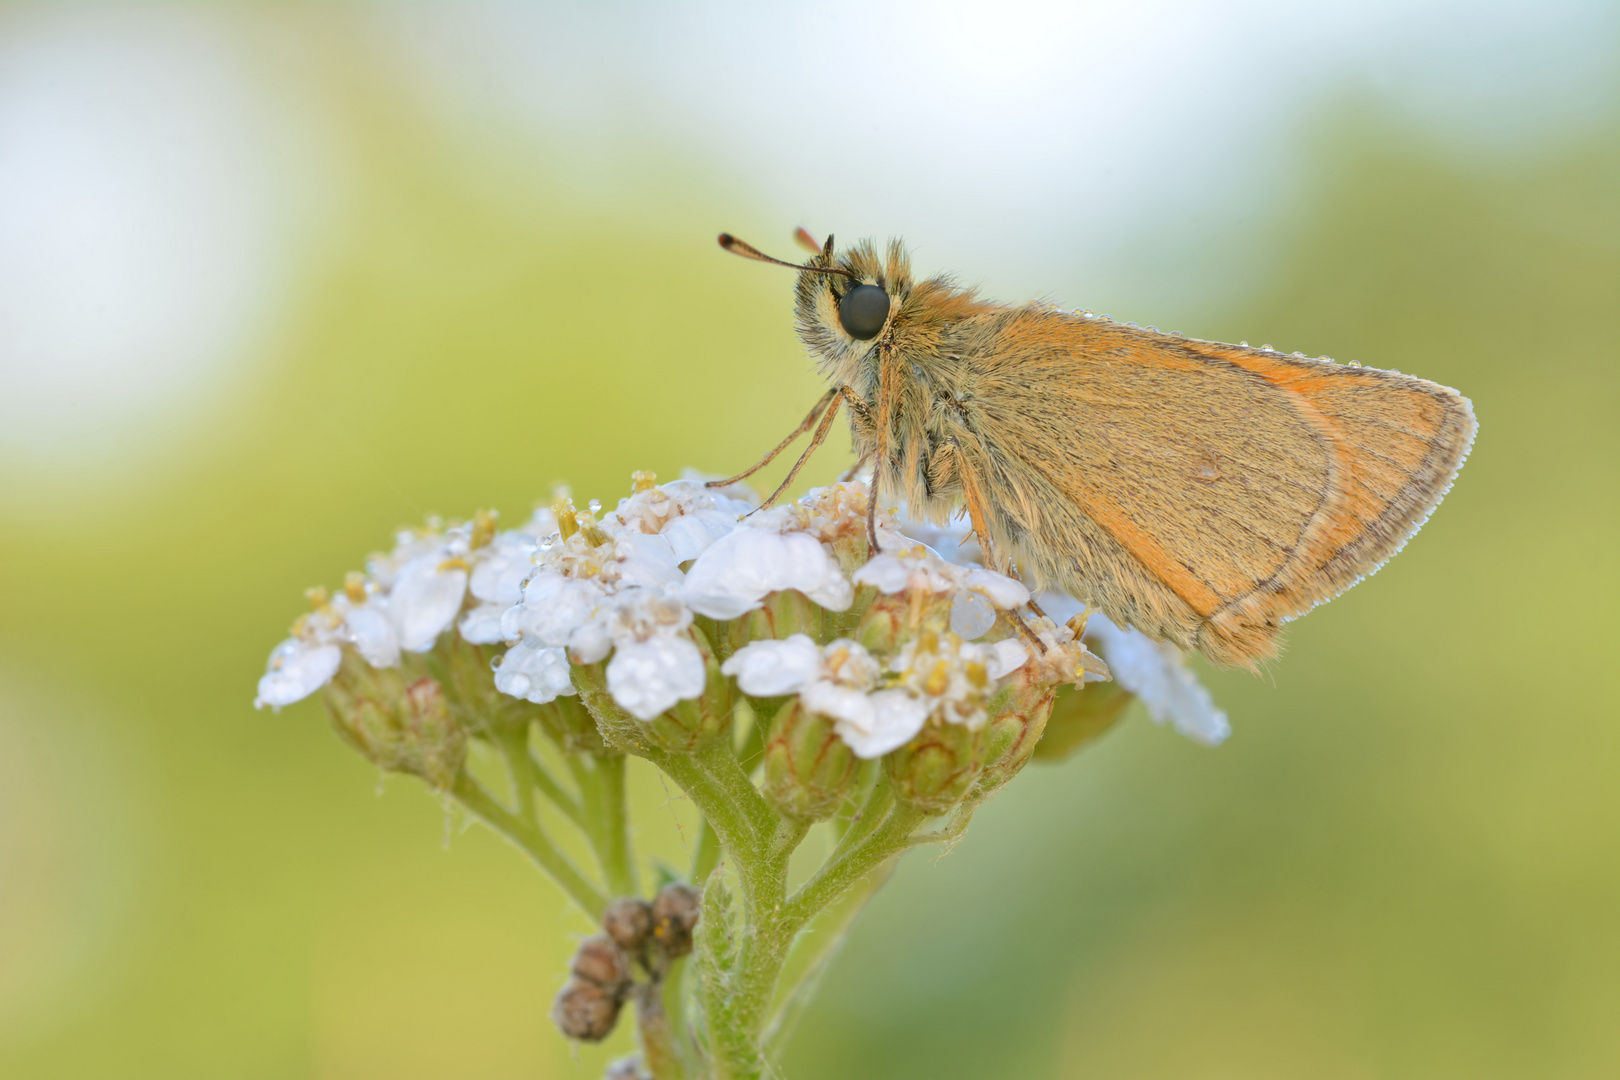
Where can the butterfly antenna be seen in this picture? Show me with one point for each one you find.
(802, 237)
(749, 251)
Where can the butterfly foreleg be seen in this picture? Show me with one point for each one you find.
(978, 508)
(808, 423)
(888, 388)
(838, 394)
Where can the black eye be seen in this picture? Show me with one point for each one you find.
(863, 311)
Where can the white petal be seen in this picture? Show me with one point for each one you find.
(1002, 590)
(896, 719)
(297, 670)
(743, 567)
(842, 703)
(647, 677)
(591, 641)
(373, 635)
(482, 625)
(885, 573)
(646, 560)
(498, 576)
(1010, 655)
(534, 673)
(690, 535)
(769, 668)
(553, 608)
(424, 602)
(1157, 673)
(834, 592)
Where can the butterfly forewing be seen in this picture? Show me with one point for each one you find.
(1202, 492)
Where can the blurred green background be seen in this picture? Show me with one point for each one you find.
(396, 299)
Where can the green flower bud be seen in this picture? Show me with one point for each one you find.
(784, 614)
(1017, 721)
(402, 726)
(808, 768)
(683, 728)
(883, 627)
(933, 771)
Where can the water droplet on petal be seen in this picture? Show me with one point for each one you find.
(972, 615)
(595, 505)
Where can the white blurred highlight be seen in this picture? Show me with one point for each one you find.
(145, 215)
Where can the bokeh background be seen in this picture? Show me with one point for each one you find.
(275, 280)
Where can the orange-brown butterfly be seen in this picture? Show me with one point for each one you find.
(1202, 493)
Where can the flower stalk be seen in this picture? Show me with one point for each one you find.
(779, 672)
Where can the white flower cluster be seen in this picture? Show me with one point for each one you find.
(405, 600)
(1154, 671)
(934, 675)
(566, 589)
(618, 588)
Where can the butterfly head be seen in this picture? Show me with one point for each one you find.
(847, 301)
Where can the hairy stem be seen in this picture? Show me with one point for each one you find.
(527, 835)
(607, 823)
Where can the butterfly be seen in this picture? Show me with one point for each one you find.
(1202, 493)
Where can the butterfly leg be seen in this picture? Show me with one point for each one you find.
(888, 388)
(860, 463)
(978, 514)
(837, 395)
(809, 422)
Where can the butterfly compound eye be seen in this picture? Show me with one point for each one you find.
(863, 311)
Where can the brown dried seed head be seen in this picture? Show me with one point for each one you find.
(585, 1011)
(675, 913)
(598, 960)
(628, 921)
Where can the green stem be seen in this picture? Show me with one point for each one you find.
(657, 1044)
(734, 826)
(842, 872)
(707, 855)
(812, 955)
(606, 824)
(529, 776)
(617, 862)
(527, 835)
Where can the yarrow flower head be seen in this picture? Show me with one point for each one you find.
(884, 688)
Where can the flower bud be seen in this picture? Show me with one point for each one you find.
(599, 960)
(675, 913)
(1017, 721)
(783, 614)
(882, 628)
(403, 727)
(585, 1011)
(628, 921)
(808, 768)
(933, 771)
(695, 722)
